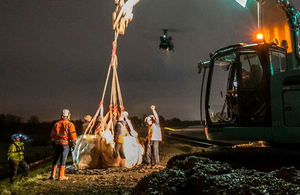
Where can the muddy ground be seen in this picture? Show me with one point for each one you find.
(185, 169)
(99, 181)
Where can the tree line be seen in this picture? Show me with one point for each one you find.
(38, 133)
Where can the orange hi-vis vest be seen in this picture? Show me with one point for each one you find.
(121, 132)
(154, 132)
(63, 132)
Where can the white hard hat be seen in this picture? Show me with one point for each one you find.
(150, 117)
(65, 112)
(125, 114)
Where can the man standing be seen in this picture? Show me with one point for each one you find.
(120, 133)
(16, 158)
(63, 136)
(85, 124)
(154, 137)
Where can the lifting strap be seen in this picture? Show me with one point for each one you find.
(115, 96)
(119, 26)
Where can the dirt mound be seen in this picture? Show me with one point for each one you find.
(261, 159)
(200, 175)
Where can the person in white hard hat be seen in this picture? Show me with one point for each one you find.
(120, 133)
(154, 137)
(63, 136)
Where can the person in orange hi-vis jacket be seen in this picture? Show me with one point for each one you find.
(154, 137)
(63, 136)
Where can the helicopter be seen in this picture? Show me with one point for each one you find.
(166, 42)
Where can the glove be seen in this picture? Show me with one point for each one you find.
(152, 107)
(72, 146)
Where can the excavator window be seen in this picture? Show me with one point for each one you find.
(234, 96)
(277, 62)
(219, 110)
(251, 99)
(251, 71)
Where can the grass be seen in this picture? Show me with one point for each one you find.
(34, 181)
(39, 184)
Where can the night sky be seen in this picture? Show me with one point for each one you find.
(55, 54)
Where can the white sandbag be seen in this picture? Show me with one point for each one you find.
(86, 153)
(133, 151)
(109, 139)
(97, 151)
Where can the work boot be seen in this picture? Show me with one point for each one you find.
(23, 178)
(62, 173)
(54, 167)
(12, 179)
(122, 163)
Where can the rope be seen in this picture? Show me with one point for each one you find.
(115, 91)
(119, 90)
(113, 86)
(112, 63)
(105, 86)
(115, 80)
(91, 124)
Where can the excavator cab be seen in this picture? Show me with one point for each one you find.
(238, 86)
(240, 94)
(251, 91)
(249, 94)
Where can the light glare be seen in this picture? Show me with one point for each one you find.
(242, 2)
(259, 36)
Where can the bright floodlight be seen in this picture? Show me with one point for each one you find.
(259, 36)
(242, 2)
